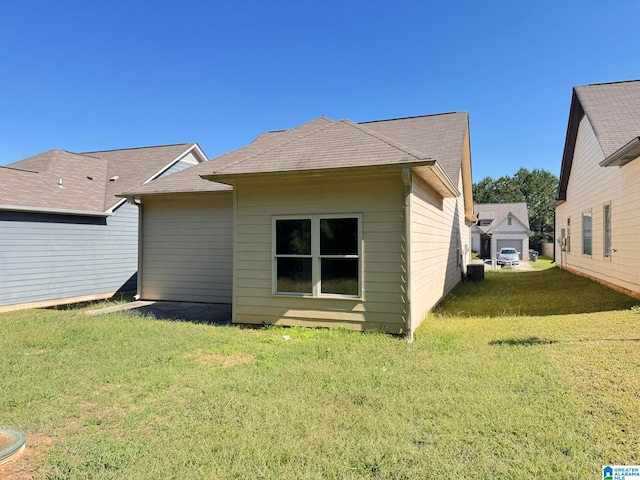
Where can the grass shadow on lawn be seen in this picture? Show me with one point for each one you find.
(522, 342)
(536, 293)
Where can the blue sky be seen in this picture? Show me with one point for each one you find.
(97, 75)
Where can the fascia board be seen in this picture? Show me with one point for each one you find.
(54, 211)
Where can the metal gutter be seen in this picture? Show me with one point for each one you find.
(623, 155)
(132, 201)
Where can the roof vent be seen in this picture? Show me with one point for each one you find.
(60, 183)
(114, 178)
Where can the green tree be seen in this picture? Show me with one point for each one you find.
(537, 188)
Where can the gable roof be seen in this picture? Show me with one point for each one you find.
(324, 144)
(613, 110)
(497, 212)
(58, 181)
(440, 136)
(344, 144)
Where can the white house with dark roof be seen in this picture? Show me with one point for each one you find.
(500, 225)
(597, 225)
(64, 235)
(335, 223)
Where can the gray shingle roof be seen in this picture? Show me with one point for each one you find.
(34, 183)
(441, 137)
(55, 180)
(190, 181)
(613, 109)
(497, 212)
(336, 145)
(324, 144)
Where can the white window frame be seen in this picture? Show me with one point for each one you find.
(587, 214)
(606, 232)
(315, 256)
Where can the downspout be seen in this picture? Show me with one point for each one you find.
(406, 180)
(554, 237)
(132, 201)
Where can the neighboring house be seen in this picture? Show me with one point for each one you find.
(64, 235)
(597, 225)
(335, 223)
(500, 225)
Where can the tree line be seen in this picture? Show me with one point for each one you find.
(537, 188)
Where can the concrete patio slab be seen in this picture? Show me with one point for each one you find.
(211, 313)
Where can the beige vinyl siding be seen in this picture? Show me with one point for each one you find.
(590, 187)
(439, 245)
(187, 248)
(379, 201)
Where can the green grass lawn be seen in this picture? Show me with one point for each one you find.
(524, 375)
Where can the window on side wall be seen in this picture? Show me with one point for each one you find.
(606, 227)
(587, 234)
(317, 255)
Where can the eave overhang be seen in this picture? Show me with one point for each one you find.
(436, 178)
(623, 155)
(54, 211)
(129, 196)
(576, 112)
(429, 170)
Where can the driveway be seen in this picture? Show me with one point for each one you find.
(210, 313)
(524, 265)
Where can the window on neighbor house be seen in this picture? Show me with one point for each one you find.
(587, 239)
(317, 255)
(607, 230)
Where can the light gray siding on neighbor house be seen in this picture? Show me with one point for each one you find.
(187, 161)
(49, 258)
(187, 244)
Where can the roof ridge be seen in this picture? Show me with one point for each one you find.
(282, 144)
(389, 141)
(608, 83)
(410, 117)
(19, 169)
(78, 154)
(136, 148)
